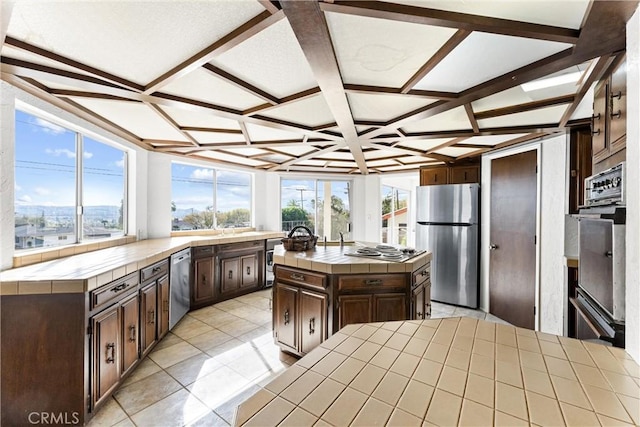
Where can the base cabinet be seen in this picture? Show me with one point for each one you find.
(107, 343)
(163, 307)
(421, 293)
(241, 269)
(130, 310)
(354, 309)
(203, 284)
(285, 316)
(313, 319)
(148, 313)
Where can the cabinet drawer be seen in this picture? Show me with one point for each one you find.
(301, 277)
(113, 290)
(252, 245)
(154, 271)
(203, 251)
(421, 275)
(371, 282)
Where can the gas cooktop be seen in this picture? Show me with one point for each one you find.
(386, 253)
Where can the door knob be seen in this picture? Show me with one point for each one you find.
(493, 246)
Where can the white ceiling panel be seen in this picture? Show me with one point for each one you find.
(263, 133)
(311, 112)
(136, 117)
(379, 153)
(336, 164)
(540, 116)
(216, 138)
(566, 13)
(165, 33)
(455, 119)
(249, 151)
(22, 55)
(271, 60)
(317, 163)
(275, 158)
(204, 86)
(506, 98)
(336, 155)
(455, 151)
(491, 140)
(379, 163)
(293, 150)
(412, 159)
(400, 168)
(375, 107)
(481, 57)
(382, 52)
(192, 118)
(585, 108)
(216, 155)
(423, 145)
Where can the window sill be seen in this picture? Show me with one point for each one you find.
(35, 256)
(212, 232)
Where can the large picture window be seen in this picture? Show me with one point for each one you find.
(395, 205)
(55, 205)
(206, 198)
(323, 206)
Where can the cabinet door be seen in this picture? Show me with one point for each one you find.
(148, 316)
(163, 306)
(434, 176)
(230, 282)
(106, 358)
(130, 330)
(313, 320)
(203, 281)
(354, 309)
(599, 129)
(285, 315)
(427, 300)
(249, 271)
(389, 307)
(464, 175)
(418, 306)
(618, 109)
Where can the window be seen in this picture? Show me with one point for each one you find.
(48, 187)
(304, 202)
(197, 192)
(395, 203)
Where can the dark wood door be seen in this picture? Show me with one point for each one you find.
(249, 271)
(313, 319)
(230, 282)
(389, 307)
(599, 121)
(464, 175)
(163, 306)
(203, 284)
(130, 325)
(354, 309)
(148, 316)
(106, 358)
(512, 259)
(285, 315)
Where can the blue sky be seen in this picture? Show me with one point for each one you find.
(45, 166)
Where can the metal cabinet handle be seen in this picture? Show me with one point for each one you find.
(424, 273)
(230, 274)
(296, 276)
(111, 347)
(204, 279)
(596, 116)
(248, 271)
(493, 246)
(617, 95)
(616, 115)
(120, 287)
(132, 333)
(155, 269)
(151, 314)
(596, 132)
(373, 282)
(312, 326)
(419, 315)
(608, 254)
(286, 317)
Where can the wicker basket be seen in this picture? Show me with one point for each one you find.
(300, 242)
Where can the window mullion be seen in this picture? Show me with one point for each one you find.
(79, 202)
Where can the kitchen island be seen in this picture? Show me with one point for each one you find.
(454, 371)
(317, 292)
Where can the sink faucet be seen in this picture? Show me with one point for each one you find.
(341, 238)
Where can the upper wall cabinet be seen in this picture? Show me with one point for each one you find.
(609, 123)
(437, 175)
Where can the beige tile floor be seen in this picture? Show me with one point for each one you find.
(212, 361)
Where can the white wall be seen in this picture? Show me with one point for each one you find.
(7, 180)
(550, 289)
(632, 311)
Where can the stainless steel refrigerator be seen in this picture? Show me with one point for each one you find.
(448, 227)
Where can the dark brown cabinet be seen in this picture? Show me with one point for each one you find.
(456, 174)
(163, 307)
(421, 293)
(609, 121)
(354, 309)
(130, 331)
(154, 304)
(106, 361)
(202, 289)
(241, 268)
(148, 312)
(300, 313)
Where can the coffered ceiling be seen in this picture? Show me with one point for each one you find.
(351, 87)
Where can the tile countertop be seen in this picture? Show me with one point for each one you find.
(454, 371)
(332, 259)
(87, 271)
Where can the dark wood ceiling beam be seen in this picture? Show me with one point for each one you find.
(270, 6)
(407, 151)
(528, 106)
(472, 118)
(442, 53)
(167, 118)
(283, 101)
(384, 90)
(505, 144)
(26, 47)
(443, 18)
(310, 28)
(237, 82)
(231, 40)
(446, 144)
(211, 130)
(92, 95)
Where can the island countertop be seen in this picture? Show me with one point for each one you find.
(332, 259)
(453, 371)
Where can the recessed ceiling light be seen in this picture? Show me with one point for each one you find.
(551, 82)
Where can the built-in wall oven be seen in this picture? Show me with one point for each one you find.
(600, 295)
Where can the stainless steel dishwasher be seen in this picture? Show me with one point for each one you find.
(180, 284)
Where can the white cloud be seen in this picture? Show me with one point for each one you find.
(87, 155)
(16, 187)
(24, 199)
(41, 191)
(61, 151)
(49, 127)
(202, 174)
(120, 163)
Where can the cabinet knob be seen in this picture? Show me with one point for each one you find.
(493, 246)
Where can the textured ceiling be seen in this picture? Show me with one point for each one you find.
(352, 87)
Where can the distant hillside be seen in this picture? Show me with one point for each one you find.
(104, 212)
